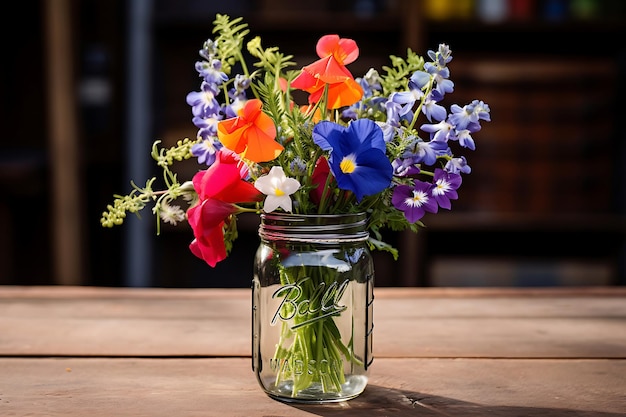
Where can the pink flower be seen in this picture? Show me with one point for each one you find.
(219, 188)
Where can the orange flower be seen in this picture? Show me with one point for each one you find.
(340, 94)
(334, 53)
(251, 134)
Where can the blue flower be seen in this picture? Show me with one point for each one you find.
(438, 68)
(393, 113)
(415, 154)
(209, 50)
(458, 165)
(211, 72)
(431, 109)
(205, 151)
(441, 132)
(207, 126)
(238, 91)
(357, 155)
(469, 116)
(407, 99)
(465, 139)
(203, 102)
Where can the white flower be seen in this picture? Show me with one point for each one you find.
(171, 214)
(278, 189)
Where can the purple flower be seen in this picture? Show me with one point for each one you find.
(357, 155)
(207, 125)
(393, 113)
(389, 131)
(417, 153)
(211, 72)
(370, 82)
(240, 85)
(414, 201)
(203, 102)
(469, 116)
(407, 99)
(445, 186)
(438, 68)
(205, 151)
(431, 109)
(443, 84)
(443, 55)
(209, 50)
(440, 132)
(465, 139)
(405, 167)
(458, 165)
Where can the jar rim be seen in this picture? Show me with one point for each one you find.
(310, 216)
(313, 228)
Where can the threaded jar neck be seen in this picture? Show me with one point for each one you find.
(314, 228)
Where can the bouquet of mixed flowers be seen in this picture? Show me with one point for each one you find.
(355, 146)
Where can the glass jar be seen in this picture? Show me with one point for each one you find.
(312, 306)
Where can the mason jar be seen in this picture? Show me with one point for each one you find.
(312, 307)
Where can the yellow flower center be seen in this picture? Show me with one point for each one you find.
(278, 192)
(347, 165)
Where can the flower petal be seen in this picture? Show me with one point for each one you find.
(361, 143)
(273, 202)
(208, 214)
(260, 146)
(344, 50)
(278, 189)
(330, 69)
(372, 175)
(251, 134)
(224, 181)
(210, 248)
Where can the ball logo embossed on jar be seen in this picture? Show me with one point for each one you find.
(325, 299)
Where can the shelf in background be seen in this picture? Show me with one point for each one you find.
(548, 165)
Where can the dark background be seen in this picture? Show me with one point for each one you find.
(544, 204)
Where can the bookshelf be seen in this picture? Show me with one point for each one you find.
(553, 150)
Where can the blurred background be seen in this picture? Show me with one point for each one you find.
(88, 85)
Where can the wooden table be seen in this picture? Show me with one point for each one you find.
(82, 351)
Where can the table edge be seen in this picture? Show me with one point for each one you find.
(16, 291)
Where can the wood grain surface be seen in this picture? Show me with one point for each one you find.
(83, 351)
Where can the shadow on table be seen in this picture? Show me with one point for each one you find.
(381, 401)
